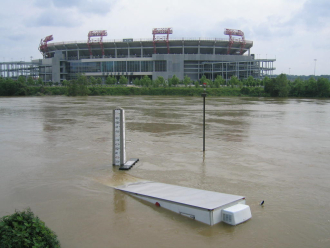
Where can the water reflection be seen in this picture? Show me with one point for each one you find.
(119, 199)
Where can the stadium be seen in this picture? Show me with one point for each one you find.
(135, 58)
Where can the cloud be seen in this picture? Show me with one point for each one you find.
(67, 13)
(51, 18)
(97, 7)
(313, 15)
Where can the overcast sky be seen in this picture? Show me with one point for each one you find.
(295, 32)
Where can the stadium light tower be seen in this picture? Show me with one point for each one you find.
(96, 33)
(157, 31)
(43, 47)
(235, 32)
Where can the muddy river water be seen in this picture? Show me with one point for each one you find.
(56, 158)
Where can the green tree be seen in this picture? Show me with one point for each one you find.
(240, 84)
(323, 87)
(146, 81)
(174, 80)
(65, 83)
(206, 82)
(123, 80)
(264, 81)
(210, 83)
(258, 82)
(203, 79)
(111, 80)
(82, 80)
(92, 80)
(270, 86)
(297, 88)
(99, 81)
(250, 81)
(282, 85)
(278, 87)
(73, 88)
(136, 82)
(30, 81)
(233, 81)
(21, 80)
(40, 82)
(9, 87)
(218, 81)
(160, 81)
(24, 229)
(79, 87)
(186, 81)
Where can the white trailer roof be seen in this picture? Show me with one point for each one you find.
(194, 197)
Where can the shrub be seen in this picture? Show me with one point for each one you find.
(23, 229)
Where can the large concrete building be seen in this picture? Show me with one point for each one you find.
(154, 57)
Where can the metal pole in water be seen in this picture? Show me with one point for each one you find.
(118, 137)
(204, 95)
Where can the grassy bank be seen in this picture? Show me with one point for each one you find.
(83, 86)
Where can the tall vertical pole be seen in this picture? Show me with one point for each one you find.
(204, 95)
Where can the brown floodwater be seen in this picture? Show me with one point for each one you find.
(56, 158)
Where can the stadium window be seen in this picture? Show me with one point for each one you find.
(120, 66)
(133, 66)
(160, 65)
(107, 66)
(146, 66)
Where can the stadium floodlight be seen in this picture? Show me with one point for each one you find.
(157, 31)
(96, 33)
(43, 47)
(235, 32)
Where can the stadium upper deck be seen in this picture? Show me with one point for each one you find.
(128, 48)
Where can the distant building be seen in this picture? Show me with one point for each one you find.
(134, 58)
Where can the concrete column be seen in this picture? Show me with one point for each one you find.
(115, 50)
(199, 47)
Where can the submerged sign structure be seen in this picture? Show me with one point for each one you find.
(205, 206)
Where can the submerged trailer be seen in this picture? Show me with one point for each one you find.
(205, 206)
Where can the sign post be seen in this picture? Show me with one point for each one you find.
(204, 95)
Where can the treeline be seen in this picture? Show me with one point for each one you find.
(29, 87)
(282, 87)
(305, 77)
(273, 87)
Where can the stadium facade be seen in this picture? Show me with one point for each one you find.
(135, 58)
